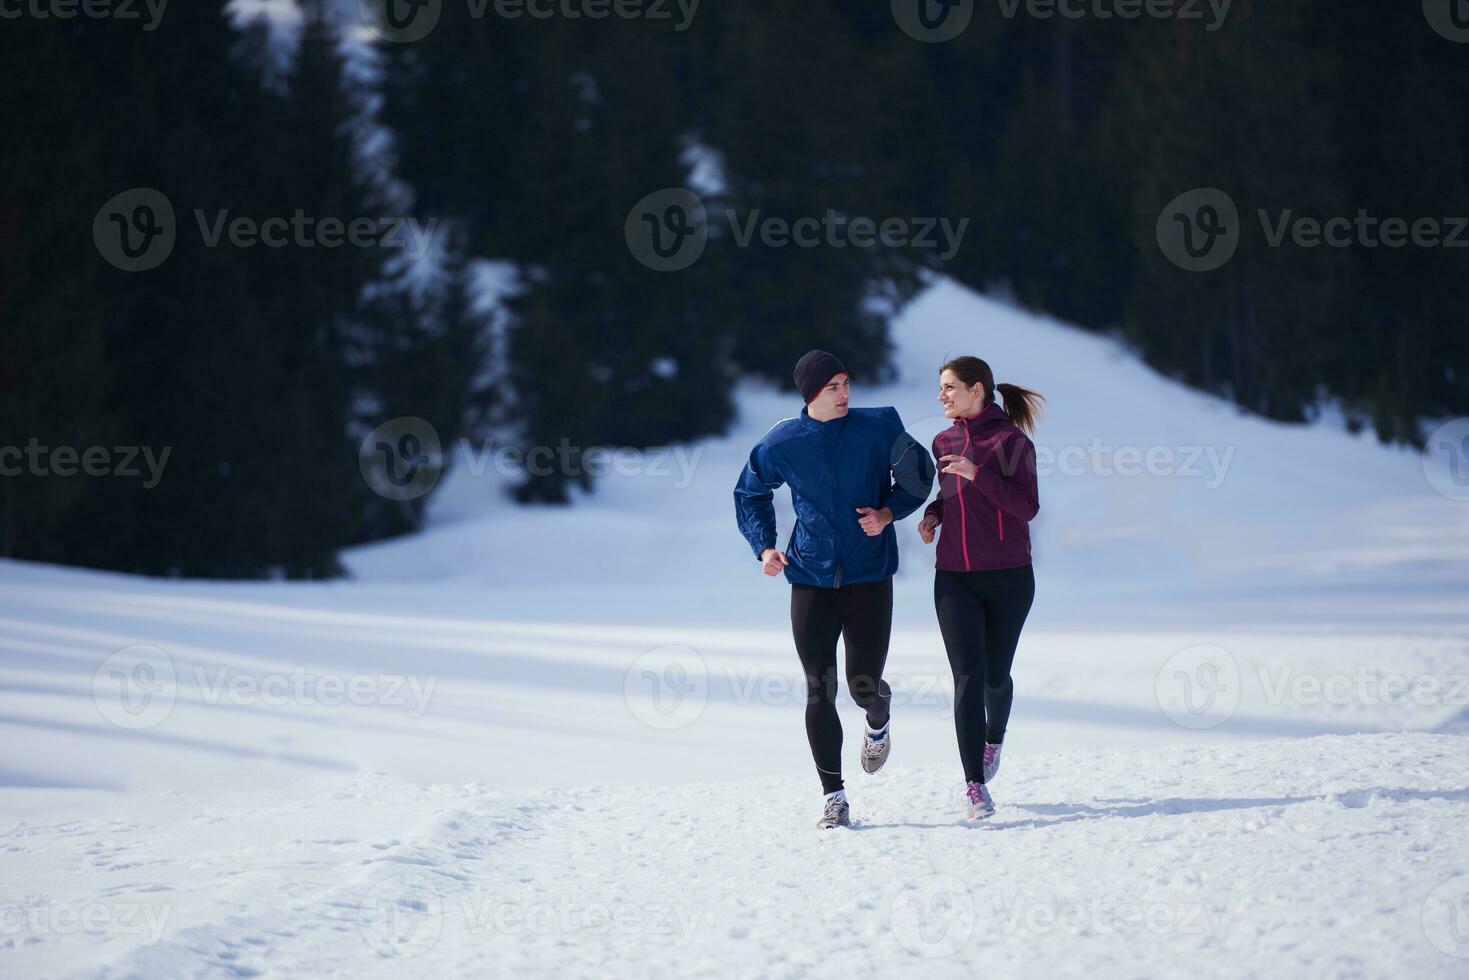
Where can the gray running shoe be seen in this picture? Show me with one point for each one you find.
(981, 804)
(836, 813)
(875, 751)
(992, 760)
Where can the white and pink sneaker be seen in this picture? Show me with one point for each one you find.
(992, 759)
(981, 804)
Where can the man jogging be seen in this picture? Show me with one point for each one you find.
(852, 473)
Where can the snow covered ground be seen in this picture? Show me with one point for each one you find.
(569, 741)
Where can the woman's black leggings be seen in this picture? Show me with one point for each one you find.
(980, 617)
(862, 615)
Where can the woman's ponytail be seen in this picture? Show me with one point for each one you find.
(1022, 405)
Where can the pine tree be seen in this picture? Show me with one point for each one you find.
(1240, 110)
(557, 130)
(53, 368)
(1400, 352)
(792, 127)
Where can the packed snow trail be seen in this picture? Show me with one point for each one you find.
(1328, 856)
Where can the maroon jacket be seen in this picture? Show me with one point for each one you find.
(985, 522)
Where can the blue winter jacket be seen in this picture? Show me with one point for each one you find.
(864, 459)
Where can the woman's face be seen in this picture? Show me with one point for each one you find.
(959, 401)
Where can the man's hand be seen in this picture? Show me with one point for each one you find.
(772, 561)
(960, 465)
(873, 521)
(925, 529)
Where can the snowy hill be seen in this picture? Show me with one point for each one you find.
(1231, 518)
(511, 743)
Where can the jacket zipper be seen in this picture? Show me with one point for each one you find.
(963, 520)
(836, 544)
(1000, 520)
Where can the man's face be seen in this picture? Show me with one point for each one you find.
(831, 401)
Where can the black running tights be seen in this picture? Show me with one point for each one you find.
(862, 615)
(980, 616)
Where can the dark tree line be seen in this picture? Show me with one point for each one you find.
(1062, 140)
(255, 368)
(529, 141)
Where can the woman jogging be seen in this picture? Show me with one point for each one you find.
(984, 584)
(852, 473)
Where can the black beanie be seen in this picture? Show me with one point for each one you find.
(814, 371)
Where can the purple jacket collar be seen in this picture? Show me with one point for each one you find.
(992, 413)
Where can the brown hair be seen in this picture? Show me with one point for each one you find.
(1021, 404)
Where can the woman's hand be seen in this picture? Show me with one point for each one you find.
(960, 465)
(926, 528)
